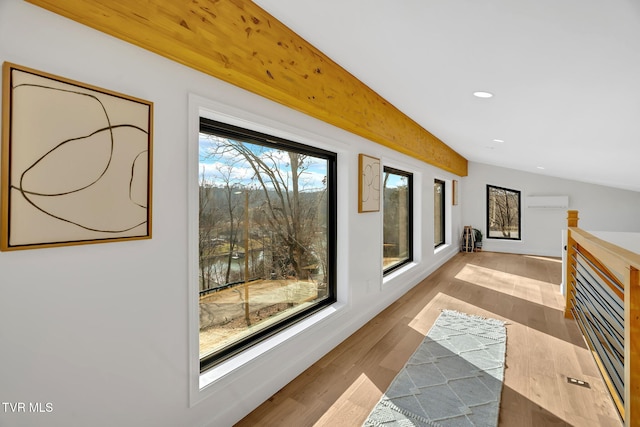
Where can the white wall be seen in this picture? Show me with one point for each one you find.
(600, 208)
(628, 241)
(101, 331)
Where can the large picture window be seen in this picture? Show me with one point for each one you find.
(503, 213)
(398, 219)
(267, 236)
(438, 213)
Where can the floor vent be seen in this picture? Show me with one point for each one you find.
(578, 382)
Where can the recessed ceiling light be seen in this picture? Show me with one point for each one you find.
(482, 94)
(498, 140)
(540, 167)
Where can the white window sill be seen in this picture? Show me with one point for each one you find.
(399, 272)
(492, 240)
(441, 248)
(218, 372)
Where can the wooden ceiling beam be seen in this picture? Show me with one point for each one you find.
(240, 43)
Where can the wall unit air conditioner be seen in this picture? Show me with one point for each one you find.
(548, 202)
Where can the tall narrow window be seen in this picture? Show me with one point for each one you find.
(503, 213)
(398, 219)
(267, 227)
(438, 213)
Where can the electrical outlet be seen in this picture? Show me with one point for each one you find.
(576, 381)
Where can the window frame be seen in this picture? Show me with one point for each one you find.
(410, 224)
(443, 213)
(488, 233)
(207, 125)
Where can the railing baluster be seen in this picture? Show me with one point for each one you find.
(603, 296)
(632, 349)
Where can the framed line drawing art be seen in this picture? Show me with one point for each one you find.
(76, 162)
(368, 183)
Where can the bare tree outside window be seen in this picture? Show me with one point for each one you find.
(267, 236)
(503, 213)
(397, 219)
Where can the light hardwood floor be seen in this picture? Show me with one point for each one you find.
(543, 349)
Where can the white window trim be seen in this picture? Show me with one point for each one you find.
(202, 385)
(448, 214)
(389, 279)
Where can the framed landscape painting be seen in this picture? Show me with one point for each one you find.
(76, 162)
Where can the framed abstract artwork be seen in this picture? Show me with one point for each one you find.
(76, 162)
(454, 192)
(368, 183)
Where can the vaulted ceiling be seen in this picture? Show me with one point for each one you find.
(565, 75)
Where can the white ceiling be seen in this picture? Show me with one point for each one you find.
(565, 75)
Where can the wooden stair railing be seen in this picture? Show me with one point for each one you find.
(603, 296)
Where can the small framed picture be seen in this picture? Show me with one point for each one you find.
(368, 183)
(454, 192)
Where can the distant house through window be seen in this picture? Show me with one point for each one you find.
(267, 236)
(503, 213)
(397, 219)
(438, 213)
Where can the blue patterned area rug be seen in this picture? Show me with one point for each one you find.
(453, 379)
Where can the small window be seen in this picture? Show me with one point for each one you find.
(267, 236)
(398, 219)
(438, 213)
(503, 213)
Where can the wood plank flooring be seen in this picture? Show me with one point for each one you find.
(543, 349)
